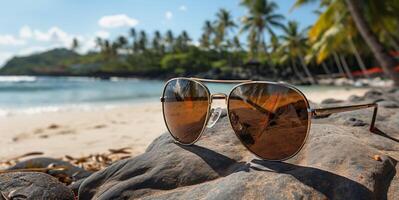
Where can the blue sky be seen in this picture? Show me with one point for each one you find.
(28, 26)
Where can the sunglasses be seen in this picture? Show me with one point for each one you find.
(271, 119)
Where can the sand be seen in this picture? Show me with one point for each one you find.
(80, 133)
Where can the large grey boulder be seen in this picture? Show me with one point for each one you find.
(33, 185)
(341, 160)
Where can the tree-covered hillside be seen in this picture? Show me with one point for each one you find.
(346, 41)
(51, 62)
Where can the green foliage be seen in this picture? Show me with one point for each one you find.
(192, 62)
(219, 64)
(51, 62)
(220, 52)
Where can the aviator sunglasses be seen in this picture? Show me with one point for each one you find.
(271, 119)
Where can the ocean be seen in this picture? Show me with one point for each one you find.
(31, 94)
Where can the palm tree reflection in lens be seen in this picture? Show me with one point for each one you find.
(185, 109)
(270, 120)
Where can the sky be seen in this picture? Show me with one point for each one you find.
(28, 26)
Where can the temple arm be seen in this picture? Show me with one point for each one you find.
(322, 112)
(219, 81)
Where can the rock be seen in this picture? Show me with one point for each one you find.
(75, 186)
(388, 104)
(337, 162)
(355, 98)
(393, 90)
(72, 171)
(373, 94)
(331, 101)
(33, 185)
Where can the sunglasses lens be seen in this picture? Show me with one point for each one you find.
(185, 109)
(270, 120)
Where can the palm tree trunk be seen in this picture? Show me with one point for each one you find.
(258, 47)
(392, 39)
(296, 71)
(394, 44)
(325, 68)
(358, 58)
(346, 68)
(307, 71)
(338, 63)
(384, 59)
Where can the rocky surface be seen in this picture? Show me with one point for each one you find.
(76, 173)
(342, 159)
(28, 185)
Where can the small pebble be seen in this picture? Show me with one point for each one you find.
(377, 158)
(53, 126)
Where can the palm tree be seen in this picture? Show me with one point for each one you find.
(205, 41)
(384, 17)
(75, 44)
(142, 41)
(185, 37)
(332, 35)
(99, 43)
(109, 50)
(294, 41)
(182, 42)
(157, 43)
(252, 44)
(133, 34)
(208, 30)
(224, 23)
(169, 40)
(121, 42)
(237, 44)
(358, 57)
(385, 60)
(262, 17)
(337, 12)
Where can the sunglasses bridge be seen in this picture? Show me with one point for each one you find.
(219, 96)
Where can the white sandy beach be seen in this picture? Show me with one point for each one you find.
(80, 133)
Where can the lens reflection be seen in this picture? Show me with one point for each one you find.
(271, 120)
(185, 109)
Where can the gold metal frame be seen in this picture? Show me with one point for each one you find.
(312, 113)
(207, 112)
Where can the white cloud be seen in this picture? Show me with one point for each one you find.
(52, 34)
(32, 40)
(102, 34)
(183, 8)
(25, 32)
(87, 45)
(168, 15)
(56, 36)
(116, 21)
(10, 40)
(195, 43)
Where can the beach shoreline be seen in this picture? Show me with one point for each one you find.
(80, 132)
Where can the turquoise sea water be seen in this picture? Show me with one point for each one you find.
(52, 93)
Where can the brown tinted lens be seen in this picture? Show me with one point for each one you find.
(271, 120)
(185, 109)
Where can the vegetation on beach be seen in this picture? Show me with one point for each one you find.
(348, 36)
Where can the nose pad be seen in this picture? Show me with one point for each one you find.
(215, 115)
